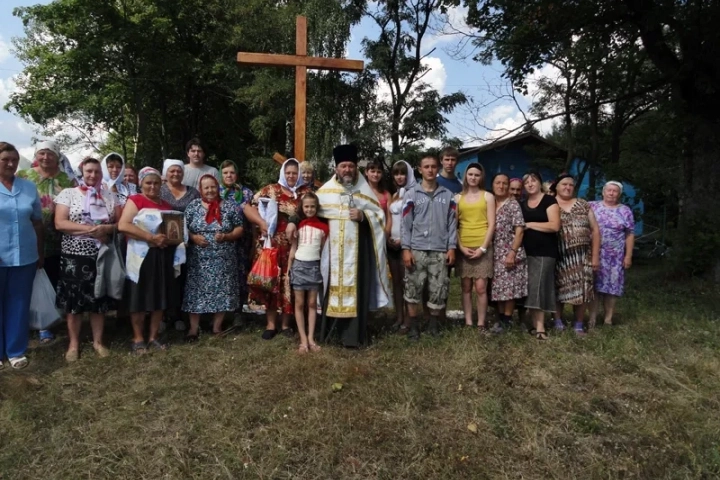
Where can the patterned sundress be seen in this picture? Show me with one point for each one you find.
(241, 196)
(615, 224)
(287, 207)
(573, 270)
(212, 272)
(508, 284)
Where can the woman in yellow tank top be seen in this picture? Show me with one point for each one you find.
(476, 225)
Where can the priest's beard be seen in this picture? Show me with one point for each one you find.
(348, 180)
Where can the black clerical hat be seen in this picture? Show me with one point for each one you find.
(345, 153)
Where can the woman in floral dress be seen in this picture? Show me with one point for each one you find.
(51, 173)
(510, 274)
(617, 227)
(239, 195)
(212, 279)
(287, 193)
(579, 248)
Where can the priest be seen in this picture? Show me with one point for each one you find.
(354, 263)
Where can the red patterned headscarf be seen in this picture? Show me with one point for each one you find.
(213, 212)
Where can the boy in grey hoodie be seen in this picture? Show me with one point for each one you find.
(429, 239)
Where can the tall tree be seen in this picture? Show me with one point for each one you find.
(681, 41)
(415, 111)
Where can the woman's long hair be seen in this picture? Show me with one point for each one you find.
(377, 165)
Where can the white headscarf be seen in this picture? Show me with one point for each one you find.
(63, 161)
(169, 162)
(282, 181)
(107, 180)
(409, 179)
(616, 183)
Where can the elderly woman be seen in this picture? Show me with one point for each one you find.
(51, 174)
(239, 195)
(212, 286)
(177, 195)
(287, 193)
(542, 222)
(21, 254)
(151, 261)
(510, 271)
(113, 167)
(307, 173)
(86, 216)
(579, 252)
(617, 239)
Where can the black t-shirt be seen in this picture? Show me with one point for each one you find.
(539, 244)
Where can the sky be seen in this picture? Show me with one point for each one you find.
(492, 113)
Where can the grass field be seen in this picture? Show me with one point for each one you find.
(638, 400)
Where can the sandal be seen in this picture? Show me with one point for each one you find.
(190, 338)
(403, 330)
(138, 348)
(18, 363)
(314, 347)
(483, 330)
(102, 351)
(302, 349)
(46, 337)
(542, 336)
(72, 356)
(156, 345)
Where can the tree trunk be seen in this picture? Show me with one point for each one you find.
(699, 215)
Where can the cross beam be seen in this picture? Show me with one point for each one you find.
(301, 62)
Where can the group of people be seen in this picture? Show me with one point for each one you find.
(349, 246)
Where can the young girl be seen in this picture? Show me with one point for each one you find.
(476, 225)
(304, 267)
(404, 179)
(374, 176)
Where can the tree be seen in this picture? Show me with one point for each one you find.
(153, 73)
(415, 111)
(680, 40)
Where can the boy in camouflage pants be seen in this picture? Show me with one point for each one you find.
(429, 238)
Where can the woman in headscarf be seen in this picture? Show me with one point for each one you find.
(21, 254)
(579, 248)
(177, 195)
(404, 179)
(51, 173)
(86, 216)
(287, 193)
(113, 172)
(617, 233)
(212, 286)
(151, 261)
(234, 192)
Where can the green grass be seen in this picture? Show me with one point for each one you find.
(639, 400)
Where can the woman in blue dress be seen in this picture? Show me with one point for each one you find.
(233, 192)
(214, 227)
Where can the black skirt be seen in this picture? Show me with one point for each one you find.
(76, 286)
(157, 287)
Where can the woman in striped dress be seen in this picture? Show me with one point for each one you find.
(579, 251)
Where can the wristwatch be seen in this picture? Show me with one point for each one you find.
(484, 250)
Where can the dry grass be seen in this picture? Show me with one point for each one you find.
(639, 400)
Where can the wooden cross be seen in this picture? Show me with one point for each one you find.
(301, 62)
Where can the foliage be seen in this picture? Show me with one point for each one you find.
(412, 112)
(637, 57)
(153, 73)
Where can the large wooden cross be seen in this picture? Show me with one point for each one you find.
(301, 62)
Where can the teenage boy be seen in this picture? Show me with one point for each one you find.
(196, 168)
(428, 237)
(447, 178)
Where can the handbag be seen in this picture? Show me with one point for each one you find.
(264, 273)
(42, 303)
(111, 273)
